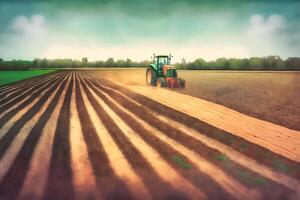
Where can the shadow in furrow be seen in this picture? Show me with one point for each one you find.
(199, 179)
(15, 177)
(240, 173)
(21, 84)
(59, 184)
(18, 92)
(31, 92)
(158, 188)
(109, 184)
(254, 151)
(14, 130)
(32, 97)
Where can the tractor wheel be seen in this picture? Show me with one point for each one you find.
(181, 83)
(151, 76)
(161, 82)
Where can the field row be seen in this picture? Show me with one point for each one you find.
(99, 141)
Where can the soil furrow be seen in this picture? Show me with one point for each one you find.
(60, 172)
(21, 83)
(16, 104)
(256, 152)
(27, 94)
(243, 160)
(83, 178)
(14, 178)
(14, 94)
(156, 185)
(33, 98)
(37, 175)
(117, 160)
(109, 184)
(211, 155)
(19, 113)
(26, 85)
(199, 179)
(16, 145)
(280, 140)
(6, 140)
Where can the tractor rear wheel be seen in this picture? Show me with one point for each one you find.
(151, 76)
(161, 82)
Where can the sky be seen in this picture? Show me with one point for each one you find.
(135, 29)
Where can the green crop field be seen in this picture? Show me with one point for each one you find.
(13, 76)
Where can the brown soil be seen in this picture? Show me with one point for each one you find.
(5, 89)
(112, 186)
(15, 92)
(60, 175)
(196, 177)
(32, 93)
(212, 155)
(271, 96)
(15, 177)
(109, 183)
(10, 135)
(261, 154)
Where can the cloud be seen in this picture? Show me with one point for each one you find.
(269, 35)
(34, 36)
(265, 27)
(35, 25)
(24, 38)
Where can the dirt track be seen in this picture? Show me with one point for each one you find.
(71, 136)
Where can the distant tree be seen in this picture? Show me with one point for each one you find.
(183, 64)
(293, 63)
(44, 63)
(99, 63)
(84, 60)
(144, 63)
(120, 63)
(279, 64)
(199, 63)
(221, 63)
(128, 62)
(270, 62)
(109, 62)
(256, 63)
(245, 63)
(76, 63)
(235, 63)
(35, 63)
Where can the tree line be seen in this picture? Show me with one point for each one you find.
(253, 63)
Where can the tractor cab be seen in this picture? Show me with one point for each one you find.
(162, 74)
(162, 60)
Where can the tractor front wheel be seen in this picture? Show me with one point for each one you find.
(151, 77)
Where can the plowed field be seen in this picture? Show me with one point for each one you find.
(69, 135)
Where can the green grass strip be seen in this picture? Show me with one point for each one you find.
(7, 77)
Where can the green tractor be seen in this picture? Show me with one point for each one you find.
(161, 74)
